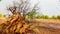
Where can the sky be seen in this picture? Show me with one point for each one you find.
(47, 7)
(50, 7)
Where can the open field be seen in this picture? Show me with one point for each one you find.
(57, 21)
(48, 23)
(49, 20)
(45, 26)
(48, 26)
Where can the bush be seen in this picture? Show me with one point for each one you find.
(32, 14)
(46, 17)
(43, 16)
(3, 16)
(58, 17)
(28, 17)
(37, 16)
(0, 15)
(54, 17)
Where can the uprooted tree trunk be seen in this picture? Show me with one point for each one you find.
(17, 24)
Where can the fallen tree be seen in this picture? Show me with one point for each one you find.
(17, 24)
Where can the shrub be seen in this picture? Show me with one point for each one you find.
(3, 16)
(58, 17)
(0, 15)
(46, 17)
(43, 16)
(54, 17)
(32, 14)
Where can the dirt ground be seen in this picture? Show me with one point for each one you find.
(3, 20)
(48, 26)
(57, 21)
(45, 26)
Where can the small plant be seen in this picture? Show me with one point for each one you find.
(2, 16)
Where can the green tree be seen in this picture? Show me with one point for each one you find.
(0, 0)
(32, 14)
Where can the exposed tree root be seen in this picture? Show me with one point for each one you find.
(15, 25)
